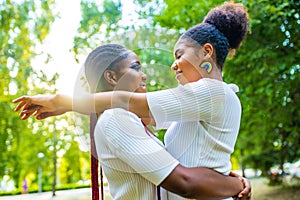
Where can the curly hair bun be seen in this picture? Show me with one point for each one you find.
(232, 20)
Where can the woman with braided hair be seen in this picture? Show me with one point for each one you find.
(202, 114)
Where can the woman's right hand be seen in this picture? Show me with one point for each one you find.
(43, 106)
(245, 194)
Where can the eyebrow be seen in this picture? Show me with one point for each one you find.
(177, 51)
(136, 62)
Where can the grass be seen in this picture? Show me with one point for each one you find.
(262, 191)
(45, 189)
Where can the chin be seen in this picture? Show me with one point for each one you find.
(141, 90)
(182, 82)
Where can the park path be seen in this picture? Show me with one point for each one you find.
(76, 194)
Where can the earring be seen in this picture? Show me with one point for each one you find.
(207, 66)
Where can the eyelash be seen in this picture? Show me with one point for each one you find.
(178, 57)
(136, 67)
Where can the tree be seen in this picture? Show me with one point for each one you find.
(154, 45)
(266, 67)
(23, 25)
(270, 70)
(267, 70)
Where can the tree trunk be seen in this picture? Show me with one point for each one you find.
(54, 162)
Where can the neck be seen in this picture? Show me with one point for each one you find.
(214, 74)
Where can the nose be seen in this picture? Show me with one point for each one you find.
(144, 76)
(174, 66)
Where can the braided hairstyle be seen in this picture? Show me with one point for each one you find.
(104, 57)
(224, 27)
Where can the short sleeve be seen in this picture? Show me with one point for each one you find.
(192, 102)
(127, 139)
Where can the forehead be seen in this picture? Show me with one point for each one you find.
(186, 43)
(182, 44)
(179, 46)
(130, 58)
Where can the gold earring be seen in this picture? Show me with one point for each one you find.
(207, 66)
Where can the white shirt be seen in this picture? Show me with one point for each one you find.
(205, 119)
(132, 161)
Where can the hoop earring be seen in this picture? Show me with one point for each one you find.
(207, 66)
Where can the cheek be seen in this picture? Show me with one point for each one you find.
(130, 81)
(188, 67)
(191, 72)
(190, 60)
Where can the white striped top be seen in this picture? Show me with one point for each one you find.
(205, 119)
(132, 161)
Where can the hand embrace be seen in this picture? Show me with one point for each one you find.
(245, 194)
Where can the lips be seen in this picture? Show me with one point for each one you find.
(143, 86)
(178, 73)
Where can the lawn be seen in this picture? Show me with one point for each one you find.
(261, 191)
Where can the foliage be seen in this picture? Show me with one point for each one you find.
(24, 25)
(21, 28)
(181, 15)
(270, 70)
(46, 188)
(266, 68)
(154, 45)
(94, 21)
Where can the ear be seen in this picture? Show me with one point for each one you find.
(208, 50)
(111, 77)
